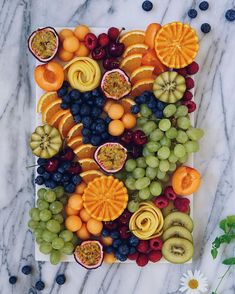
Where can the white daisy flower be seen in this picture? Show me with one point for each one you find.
(193, 283)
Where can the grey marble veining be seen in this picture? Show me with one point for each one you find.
(214, 94)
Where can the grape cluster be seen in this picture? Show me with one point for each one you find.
(47, 222)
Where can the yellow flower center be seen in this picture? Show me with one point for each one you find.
(193, 284)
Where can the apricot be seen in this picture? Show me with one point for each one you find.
(65, 33)
(71, 44)
(116, 127)
(71, 211)
(116, 111)
(94, 226)
(84, 215)
(129, 120)
(82, 51)
(107, 241)
(80, 188)
(73, 223)
(107, 105)
(81, 31)
(75, 201)
(151, 33)
(83, 233)
(65, 55)
(109, 258)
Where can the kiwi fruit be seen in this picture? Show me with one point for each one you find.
(178, 219)
(177, 250)
(45, 141)
(177, 231)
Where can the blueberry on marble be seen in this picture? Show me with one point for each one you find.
(60, 279)
(12, 280)
(147, 5)
(39, 180)
(41, 161)
(205, 28)
(192, 13)
(230, 15)
(26, 270)
(40, 285)
(40, 170)
(204, 5)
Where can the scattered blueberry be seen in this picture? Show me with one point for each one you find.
(57, 176)
(230, 15)
(76, 179)
(51, 184)
(147, 5)
(12, 280)
(114, 235)
(69, 188)
(192, 13)
(39, 285)
(75, 109)
(41, 161)
(120, 256)
(39, 180)
(205, 28)
(95, 140)
(77, 118)
(105, 233)
(204, 5)
(123, 249)
(64, 105)
(135, 109)
(60, 279)
(26, 269)
(75, 95)
(133, 241)
(40, 170)
(85, 110)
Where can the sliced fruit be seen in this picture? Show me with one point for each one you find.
(132, 37)
(90, 175)
(178, 219)
(150, 58)
(150, 34)
(75, 142)
(66, 123)
(131, 62)
(85, 151)
(141, 86)
(177, 232)
(176, 44)
(46, 99)
(171, 208)
(143, 72)
(135, 49)
(45, 141)
(88, 164)
(50, 110)
(169, 87)
(127, 103)
(75, 131)
(56, 118)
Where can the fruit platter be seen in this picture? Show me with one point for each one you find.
(114, 143)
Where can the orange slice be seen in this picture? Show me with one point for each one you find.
(75, 142)
(56, 118)
(90, 175)
(45, 100)
(150, 34)
(127, 103)
(85, 151)
(143, 72)
(141, 86)
(66, 123)
(131, 62)
(176, 45)
(75, 131)
(135, 49)
(88, 164)
(50, 110)
(132, 37)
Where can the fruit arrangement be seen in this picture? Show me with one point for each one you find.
(113, 144)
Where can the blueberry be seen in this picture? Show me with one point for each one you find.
(67, 99)
(85, 110)
(65, 178)
(133, 241)
(40, 170)
(39, 285)
(100, 128)
(76, 179)
(86, 132)
(12, 280)
(41, 161)
(75, 95)
(108, 119)
(39, 180)
(96, 92)
(230, 15)
(205, 28)
(100, 101)
(60, 279)
(90, 101)
(86, 140)
(87, 95)
(77, 118)
(160, 105)
(147, 5)
(65, 165)
(116, 243)
(152, 104)
(95, 140)
(100, 121)
(64, 105)
(204, 5)
(123, 249)
(63, 90)
(46, 175)
(26, 269)
(52, 184)
(114, 235)
(87, 121)
(93, 126)
(158, 114)
(75, 109)
(120, 256)
(192, 13)
(47, 183)
(132, 250)
(135, 109)
(57, 176)
(105, 136)
(105, 233)
(109, 249)
(138, 99)
(96, 112)
(69, 188)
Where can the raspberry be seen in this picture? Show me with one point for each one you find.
(156, 243)
(133, 256)
(169, 193)
(161, 201)
(182, 72)
(187, 96)
(191, 105)
(155, 255)
(143, 246)
(192, 68)
(142, 260)
(182, 204)
(189, 83)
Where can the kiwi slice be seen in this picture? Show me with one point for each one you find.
(177, 231)
(177, 250)
(178, 219)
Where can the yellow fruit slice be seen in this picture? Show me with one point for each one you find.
(75, 142)
(56, 118)
(131, 62)
(45, 100)
(85, 151)
(90, 175)
(135, 49)
(88, 164)
(66, 123)
(143, 72)
(132, 37)
(75, 131)
(49, 111)
(141, 86)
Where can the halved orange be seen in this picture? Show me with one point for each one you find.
(132, 37)
(66, 124)
(90, 175)
(75, 131)
(85, 151)
(141, 86)
(135, 49)
(50, 110)
(55, 120)
(143, 72)
(88, 164)
(75, 142)
(131, 62)
(46, 99)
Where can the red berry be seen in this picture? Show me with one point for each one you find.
(90, 41)
(67, 155)
(140, 138)
(75, 168)
(136, 151)
(51, 165)
(192, 68)
(161, 201)
(156, 243)
(142, 260)
(110, 225)
(169, 193)
(124, 218)
(182, 71)
(103, 40)
(187, 96)
(189, 83)
(133, 256)
(182, 204)
(127, 137)
(143, 246)
(98, 53)
(155, 255)
(113, 33)
(191, 105)
(124, 232)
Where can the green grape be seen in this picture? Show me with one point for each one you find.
(155, 188)
(141, 121)
(55, 256)
(149, 127)
(171, 133)
(183, 123)
(146, 152)
(45, 247)
(133, 206)
(152, 161)
(45, 215)
(38, 232)
(39, 240)
(64, 200)
(142, 183)
(130, 183)
(191, 146)
(139, 172)
(153, 117)
(160, 175)
(165, 141)
(164, 124)
(183, 159)
(164, 165)
(57, 243)
(141, 162)
(53, 226)
(42, 225)
(144, 194)
(172, 158)
(32, 224)
(59, 191)
(66, 235)
(195, 134)
(179, 150)
(56, 207)
(68, 248)
(153, 146)
(166, 178)
(145, 111)
(41, 193)
(182, 137)
(130, 165)
(42, 204)
(151, 172)
(182, 110)
(172, 166)
(163, 152)
(50, 196)
(169, 110)
(34, 213)
(156, 135)
(58, 217)
(48, 236)
(74, 241)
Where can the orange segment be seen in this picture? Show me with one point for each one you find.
(75, 142)
(150, 34)
(141, 86)
(132, 37)
(131, 62)
(88, 164)
(143, 72)
(66, 123)
(150, 58)
(90, 175)
(135, 49)
(85, 151)
(56, 118)
(50, 110)
(75, 131)
(45, 100)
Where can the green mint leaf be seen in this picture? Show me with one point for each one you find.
(213, 292)
(225, 239)
(214, 253)
(231, 220)
(229, 261)
(216, 242)
(222, 224)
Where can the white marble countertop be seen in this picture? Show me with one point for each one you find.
(216, 115)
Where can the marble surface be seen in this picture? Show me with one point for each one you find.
(216, 115)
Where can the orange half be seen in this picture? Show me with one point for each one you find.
(131, 62)
(88, 164)
(75, 131)
(143, 72)
(135, 49)
(56, 118)
(90, 175)
(75, 142)
(49, 111)
(132, 37)
(45, 100)
(85, 151)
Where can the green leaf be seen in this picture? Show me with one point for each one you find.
(225, 239)
(231, 220)
(229, 261)
(214, 253)
(222, 224)
(213, 292)
(216, 242)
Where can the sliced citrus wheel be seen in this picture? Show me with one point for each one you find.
(88, 164)
(135, 49)
(176, 44)
(55, 120)
(50, 110)
(131, 62)
(85, 151)
(46, 99)
(66, 124)
(132, 37)
(143, 72)
(75, 142)
(141, 86)
(75, 131)
(90, 175)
